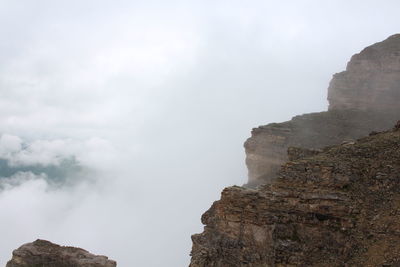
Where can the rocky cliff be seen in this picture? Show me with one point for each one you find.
(336, 207)
(325, 196)
(371, 80)
(364, 98)
(43, 253)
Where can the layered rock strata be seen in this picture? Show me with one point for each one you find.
(371, 80)
(364, 98)
(336, 207)
(46, 254)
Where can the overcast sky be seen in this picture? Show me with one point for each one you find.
(156, 98)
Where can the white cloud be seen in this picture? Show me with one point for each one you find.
(94, 153)
(20, 179)
(9, 144)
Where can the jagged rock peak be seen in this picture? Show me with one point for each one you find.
(46, 254)
(371, 80)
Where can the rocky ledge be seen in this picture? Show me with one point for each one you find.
(336, 207)
(42, 253)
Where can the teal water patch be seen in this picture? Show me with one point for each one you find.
(67, 172)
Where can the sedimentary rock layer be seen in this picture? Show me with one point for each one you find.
(364, 98)
(371, 80)
(266, 149)
(42, 253)
(336, 207)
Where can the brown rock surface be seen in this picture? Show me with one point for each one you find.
(339, 207)
(42, 253)
(362, 99)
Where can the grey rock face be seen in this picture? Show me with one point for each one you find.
(266, 149)
(362, 99)
(42, 253)
(371, 80)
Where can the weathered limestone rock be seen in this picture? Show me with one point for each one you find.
(339, 207)
(371, 80)
(362, 99)
(42, 253)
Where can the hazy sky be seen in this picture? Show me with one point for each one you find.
(156, 98)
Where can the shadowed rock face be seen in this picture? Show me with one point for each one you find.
(362, 99)
(43, 253)
(335, 207)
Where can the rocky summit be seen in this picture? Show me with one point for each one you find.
(324, 188)
(371, 80)
(336, 207)
(42, 253)
(362, 99)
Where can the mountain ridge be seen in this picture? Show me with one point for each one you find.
(323, 188)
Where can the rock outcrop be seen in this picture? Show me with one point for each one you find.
(364, 98)
(336, 207)
(371, 80)
(42, 253)
(336, 200)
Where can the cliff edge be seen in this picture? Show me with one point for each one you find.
(362, 99)
(338, 207)
(371, 80)
(326, 195)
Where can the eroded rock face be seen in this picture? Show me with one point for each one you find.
(339, 207)
(371, 80)
(362, 99)
(42, 253)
